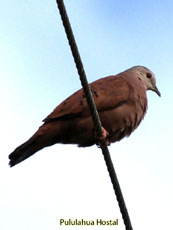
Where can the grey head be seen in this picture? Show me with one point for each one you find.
(146, 76)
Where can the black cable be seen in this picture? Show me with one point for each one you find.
(94, 113)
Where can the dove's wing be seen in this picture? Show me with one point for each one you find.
(109, 92)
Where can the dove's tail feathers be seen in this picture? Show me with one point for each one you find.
(25, 150)
(45, 136)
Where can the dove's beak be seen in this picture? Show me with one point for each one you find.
(157, 91)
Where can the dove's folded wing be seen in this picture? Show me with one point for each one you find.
(109, 92)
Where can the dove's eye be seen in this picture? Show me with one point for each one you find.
(149, 75)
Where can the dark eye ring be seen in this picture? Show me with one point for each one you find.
(149, 75)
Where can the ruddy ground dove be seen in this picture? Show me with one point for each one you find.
(121, 102)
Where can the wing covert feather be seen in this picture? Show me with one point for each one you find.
(108, 92)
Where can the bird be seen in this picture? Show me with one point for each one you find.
(121, 102)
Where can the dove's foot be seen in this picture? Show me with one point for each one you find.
(103, 140)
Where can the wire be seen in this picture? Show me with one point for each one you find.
(94, 113)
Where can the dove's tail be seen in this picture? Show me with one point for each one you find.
(44, 137)
(25, 150)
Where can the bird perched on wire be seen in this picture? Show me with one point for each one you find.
(121, 102)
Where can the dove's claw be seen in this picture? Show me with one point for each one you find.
(103, 140)
(105, 134)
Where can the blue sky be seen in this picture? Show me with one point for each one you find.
(37, 72)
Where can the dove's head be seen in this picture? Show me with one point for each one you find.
(147, 77)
